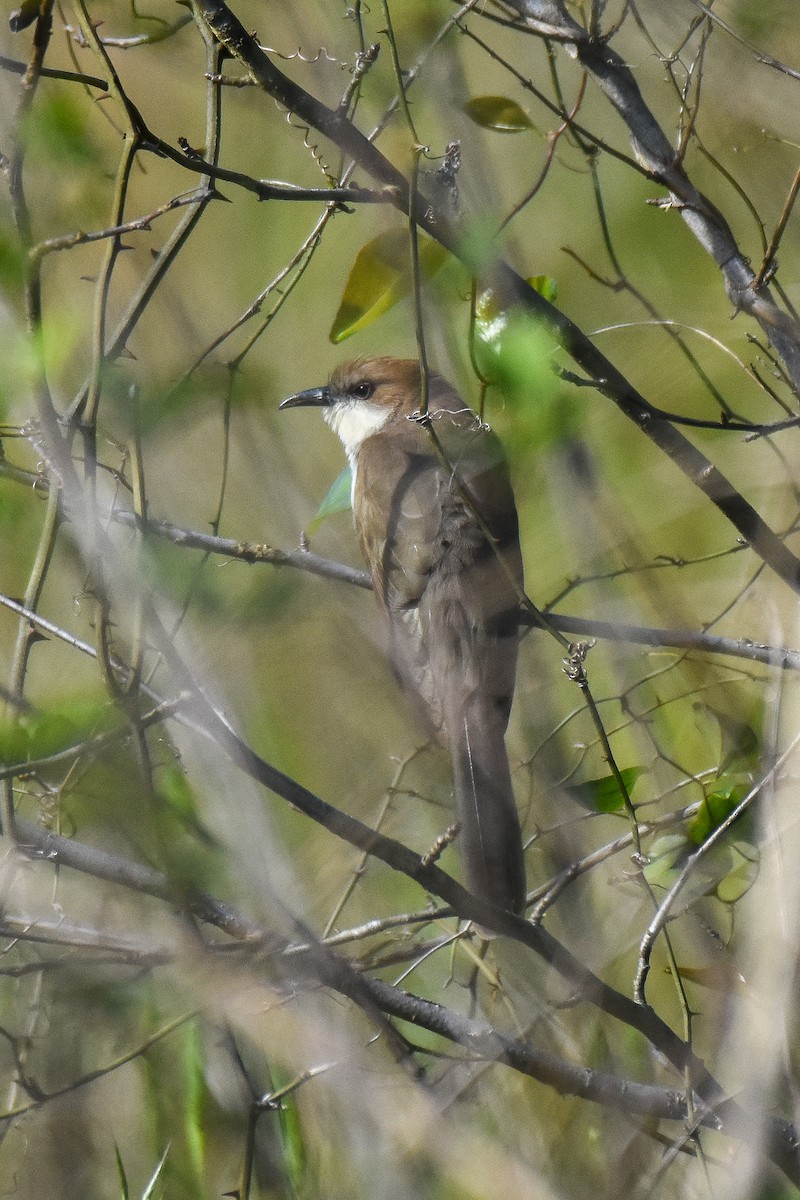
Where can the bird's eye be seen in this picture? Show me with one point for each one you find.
(362, 391)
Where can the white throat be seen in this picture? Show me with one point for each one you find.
(354, 421)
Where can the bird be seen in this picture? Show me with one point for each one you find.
(436, 518)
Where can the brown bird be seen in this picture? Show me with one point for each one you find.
(442, 542)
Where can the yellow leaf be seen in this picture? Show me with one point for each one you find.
(380, 276)
(498, 113)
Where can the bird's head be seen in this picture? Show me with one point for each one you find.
(361, 398)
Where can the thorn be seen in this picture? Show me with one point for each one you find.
(188, 149)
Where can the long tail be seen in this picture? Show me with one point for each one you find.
(490, 837)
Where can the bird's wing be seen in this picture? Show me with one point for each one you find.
(422, 504)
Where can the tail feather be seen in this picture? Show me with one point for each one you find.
(490, 838)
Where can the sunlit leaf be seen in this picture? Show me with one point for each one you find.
(514, 350)
(545, 285)
(337, 500)
(153, 1180)
(498, 113)
(380, 276)
(492, 316)
(604, 795)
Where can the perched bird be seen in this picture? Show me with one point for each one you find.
(437, 523)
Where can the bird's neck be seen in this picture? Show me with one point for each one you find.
(354, 423)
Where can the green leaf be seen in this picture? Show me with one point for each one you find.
(13, 743)
(667, 855)
(545, 285)
(123, 1178)
(196, 1094)
(22, 356)
(716, 808)
(12, 260)
(293, 1145)
(380, 276)
(513, 347)
(338, 499)
(515, 350)
(740, 748)
(743, 874)
(178, 797)
(498, 113)
(153, 1180)
(604, 795)
(49, 731)
(20, 18)
(68, 724)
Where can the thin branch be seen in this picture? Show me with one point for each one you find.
(19, 68)
(758, 55)
(99, 1073)
(79, 238)
(249, 552)
(768, 264)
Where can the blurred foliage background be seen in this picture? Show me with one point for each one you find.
(149, 326)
